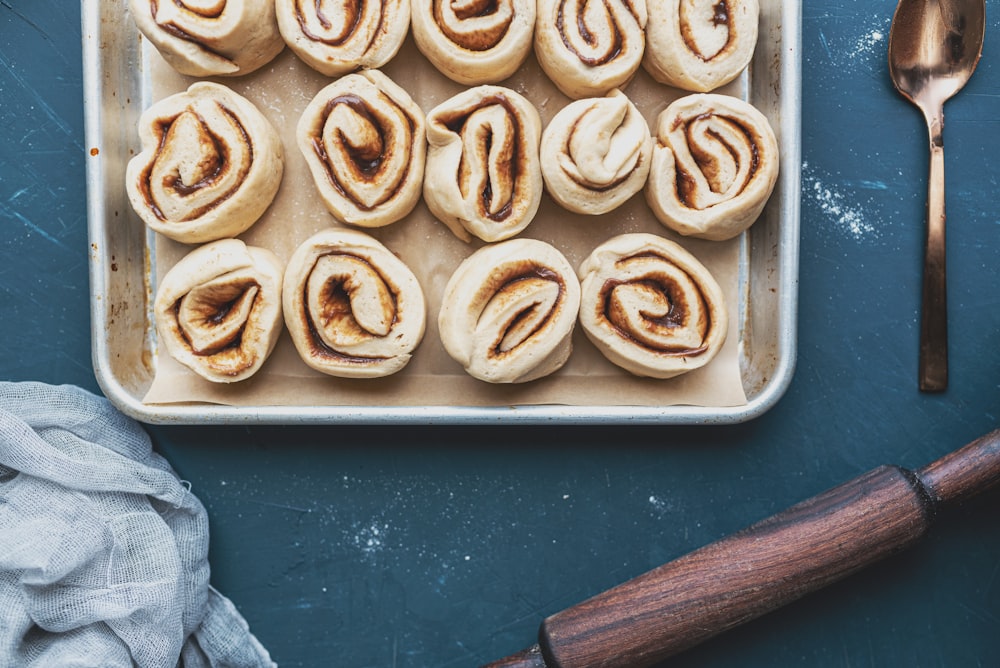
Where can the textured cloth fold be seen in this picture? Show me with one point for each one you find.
(103, 550)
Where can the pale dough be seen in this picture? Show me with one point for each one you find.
(700, 45)
(218, 310)
(222, 38)
(209, 167)
(364, 140)
(483, 177)
(335, 37)
(474, 41)
(715, 165)
(588, 48)
(595, 153)
(509, 311)
(651, 307)
(352, 307)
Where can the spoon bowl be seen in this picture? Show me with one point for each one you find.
(934, 47)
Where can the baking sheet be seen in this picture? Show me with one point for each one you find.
(759, 268)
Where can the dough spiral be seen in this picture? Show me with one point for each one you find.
(714, 166)
(482, 177)
(699, 45)
(210, 37)
(353, 309)
(595, 153)
(651, 307)
(218, 310)
(209, 167)
(474, 42)
(509, 311)
(363, 138)
(335, 37)
(588, 47)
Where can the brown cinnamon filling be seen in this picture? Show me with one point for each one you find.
(617, 41)
(720, 17)
(353, 12)
(178, 32)
(337, 306)
(707, 163)
(367, 160)
(530, 271)
(482, 40)
(678, 314)
(213, 167)
(513, 166)
(216, 313)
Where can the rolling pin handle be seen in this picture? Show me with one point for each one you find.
(964, 474)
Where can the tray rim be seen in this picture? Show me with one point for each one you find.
(785, 345)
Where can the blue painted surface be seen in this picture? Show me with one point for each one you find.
(431, 547)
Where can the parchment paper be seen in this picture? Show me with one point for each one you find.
(281, 90)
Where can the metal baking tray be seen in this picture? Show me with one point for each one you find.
(122, 279)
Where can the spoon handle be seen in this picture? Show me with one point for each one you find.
(934, 305)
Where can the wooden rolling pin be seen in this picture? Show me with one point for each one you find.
(771, 563)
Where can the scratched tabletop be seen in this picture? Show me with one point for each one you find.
(430, 546)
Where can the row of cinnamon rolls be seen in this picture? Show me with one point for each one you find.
(353, 309)
(211, 163)
(586, 48)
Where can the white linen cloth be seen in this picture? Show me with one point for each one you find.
(103, 550)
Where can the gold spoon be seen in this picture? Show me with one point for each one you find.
(934, 46)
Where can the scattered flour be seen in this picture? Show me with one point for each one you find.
(868, 49)
(845, 215)
(659, 505)
(870, 43)
(370, 539)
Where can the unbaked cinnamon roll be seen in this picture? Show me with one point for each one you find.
(335, 37)
(364, 140)
(482, 177)
(588, 48)
(220, 37)
(714, 167)
(595, 153)
(218, 310)
(353, 309)
(474, 41)
(699, 45)
(209, 167)
(651, 307)
(509, 310)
